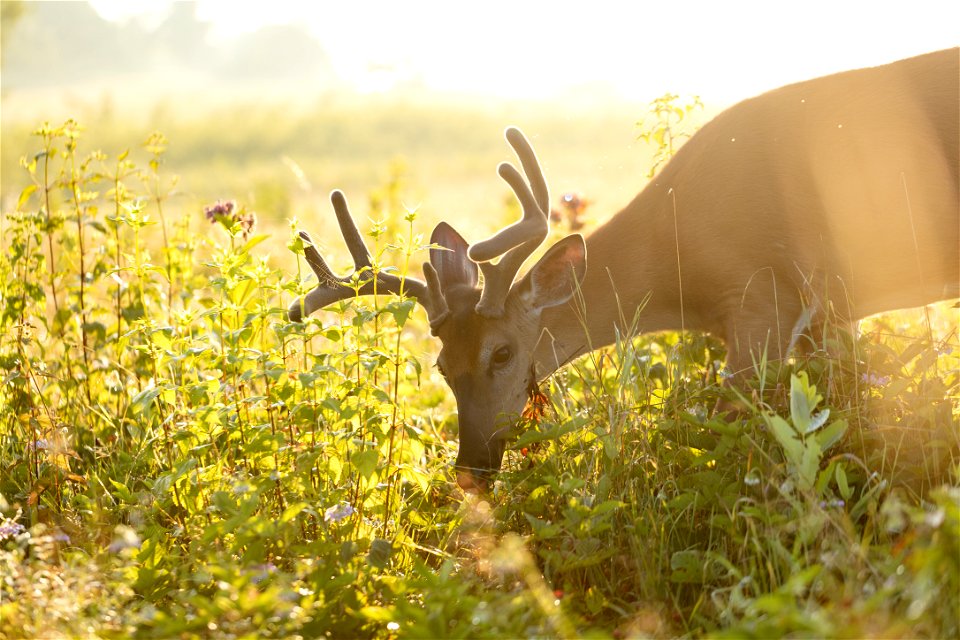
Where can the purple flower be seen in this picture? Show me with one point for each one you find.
(248, 221)
(9, 529)
(573, 205)
(338, 512)
(224, 209)
(42, 443)
(262, 571)
(874, 379)
(229, 215)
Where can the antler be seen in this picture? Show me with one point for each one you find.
(516, 242)
(332, 288)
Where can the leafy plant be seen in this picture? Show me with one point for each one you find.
(807, 436)
(662, 126)
(179, 460)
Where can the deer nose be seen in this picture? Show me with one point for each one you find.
(471, 482)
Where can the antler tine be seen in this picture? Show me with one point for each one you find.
(517, 241)
(348, 228)
(531, 166)
(331, 288)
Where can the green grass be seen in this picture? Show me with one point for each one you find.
(177, 460)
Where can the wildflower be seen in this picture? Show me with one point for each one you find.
(9, 529)
(338, 512)
(573, 205)
(874, 379)
(220, 209)
(38, 445)
(231, 216)
(248, 221)
(537, 402)
(262, 571)
(125, 538)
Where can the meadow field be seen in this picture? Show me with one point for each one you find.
(178, 460)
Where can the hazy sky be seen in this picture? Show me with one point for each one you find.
(723, 50)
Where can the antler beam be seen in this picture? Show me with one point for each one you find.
(332, 288)
(516, 242)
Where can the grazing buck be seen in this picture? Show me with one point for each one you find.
(838, 191)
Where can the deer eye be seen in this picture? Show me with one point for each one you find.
(501, 356)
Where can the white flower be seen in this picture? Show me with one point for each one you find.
(124, 537)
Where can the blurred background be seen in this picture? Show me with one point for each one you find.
(274, 104)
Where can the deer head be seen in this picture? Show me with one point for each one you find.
(487, 320)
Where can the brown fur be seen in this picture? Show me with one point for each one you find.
(838, 194)
(811, 193)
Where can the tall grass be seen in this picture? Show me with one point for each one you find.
(178, 460)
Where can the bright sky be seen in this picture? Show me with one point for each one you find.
(723, 50)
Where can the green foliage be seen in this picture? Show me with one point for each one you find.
(662, 127)
(178, 460)
(804, 439)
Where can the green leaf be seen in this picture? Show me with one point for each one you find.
(607, 507)
(380, 552)
(842, 484)
(542, 530)
(535, 435)
(803, 400)
(142, 403)
(162, 338)
(25, 195)
(687, 567)
(334, 467)
(96, 224)
(252, 242)
(817, 420)
(365, 462)
(824, 477)
(377, 614)
(831, 435)
(123, 492)
(413, 362)
(809, 464)
(400, 310)
(291, 512)
(296, 244)
(786, 437)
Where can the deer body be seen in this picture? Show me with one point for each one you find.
(842, 188)
(838, 193)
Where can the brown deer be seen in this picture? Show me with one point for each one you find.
(839, 194)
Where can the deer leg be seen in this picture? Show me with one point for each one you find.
(758, 331)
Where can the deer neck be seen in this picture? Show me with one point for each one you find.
(631, 285)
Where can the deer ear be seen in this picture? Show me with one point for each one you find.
(452, 264)
(555, 277)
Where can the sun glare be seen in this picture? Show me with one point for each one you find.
(524, 50)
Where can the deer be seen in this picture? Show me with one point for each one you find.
(837, 195)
